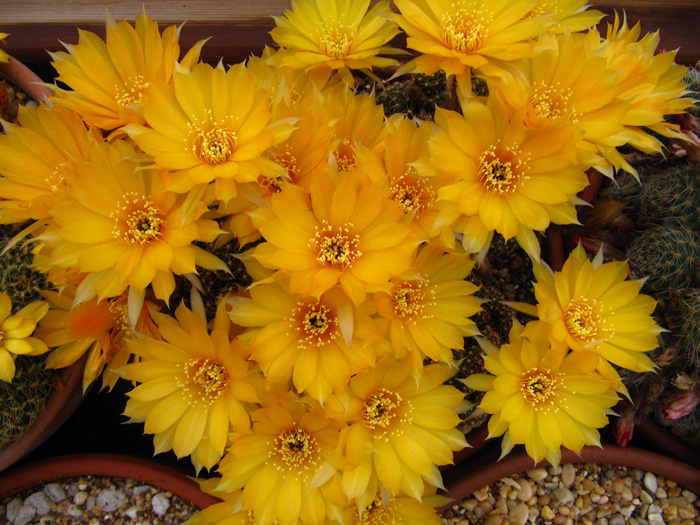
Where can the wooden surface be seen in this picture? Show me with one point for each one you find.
(239, 27)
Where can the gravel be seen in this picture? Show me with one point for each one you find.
(587, 494)
(93, 500)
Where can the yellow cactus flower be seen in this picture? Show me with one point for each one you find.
(192, 386)
(38, 157)
(458, 36)
(651, 84)
(507, 178)
(15, 332)
(110, 78)
(394, 510)
(400, 428)
(565, 82)
(96, 328)
(121, 227)
(198, 130)
(592, 306)
(335, 34)
(318, 343)
(428, 310)
(543, 396)
(285, 464)
(344, 232)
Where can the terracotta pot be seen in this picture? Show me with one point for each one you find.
(63, 400)
(25, 79)
(470, 476)
(661, 439)
(113, 465)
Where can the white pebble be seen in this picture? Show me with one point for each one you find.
(12, 508)
(656, 519)
(537, 474)
(160, 504)
(73, 511)
(110, 500)
(39, 501)
(562, 496)
(650, 482)
(132, 512)
(80, 497)
(55, 492)
(142, 488)
(24, 515)
(524, 490)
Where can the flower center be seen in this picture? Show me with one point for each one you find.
(271, 184)
(209, 378)
(548, 103)
(409, 299)
(336, 42)
(336, 246)
(465, 30)
(411, 192)
(289, 162)
(502, 171)
(214, 146)
(539, 388)
(137, 220)
(344, 156)
(316, 324)
(384, 408)
(133, 94)
(57, 179)
(297, 449)
(583, 321)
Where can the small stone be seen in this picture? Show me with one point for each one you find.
(55, 492)
(160, 504)
(39, 501)
(686, 513)
(46, 520)
(73, 511)
(537, 474)
(12, 508)
(80, 497)
(656, 519)
(651, 483)
(470, 504)
(646, 497)
(617, 519)
(627, 511)
(568, 475)
(562, 496)
(618, 485)
(25, 515)
(525, 490)
(110, 499)
(690, 496)
(132, 512)
(142, 488)
(627, 494)
(547, 513)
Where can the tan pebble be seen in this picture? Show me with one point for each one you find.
(494, 520)
(501, 507)
(627, 494)
(646, 497)
(690, 496)
(601, 521)
(568, 474)
(532, 514)
(546, 512)
(579, 502)
(603, 500)
(569, 521)
(618, 485)
(482, 494)
(661, 493)
(687, 522)
(562, 496)
(519, 514)
(674, 492)
(595, 498)
(678, 501)
(469, 504)
(80, 497)
(544, 500)
(564, 510)
(686, 512)
(671, 511)
(586, 521)
(673, 522)
(559, 519)
(636, 491)
(671, 483)
(587, 485)
(525, 490)
(599, 489)
(537, 474)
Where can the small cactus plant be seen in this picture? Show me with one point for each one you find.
(666, 256)
(671, 195)
(692, 78)
(17, 278)
(23, 400)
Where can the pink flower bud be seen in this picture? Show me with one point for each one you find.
(680, 404)
(624, 428)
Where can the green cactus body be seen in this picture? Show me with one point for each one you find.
(665, 255)
(17, 278)
(671, 195)
(690, 327)
(23, 400)
(692, 78)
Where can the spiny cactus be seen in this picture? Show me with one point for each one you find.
(17, 277)
(690, 327)
(666, 255)
(671, 195)
(23, 400)
(417, 97)
(692, 78)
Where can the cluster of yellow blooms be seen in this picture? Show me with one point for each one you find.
(310, 390)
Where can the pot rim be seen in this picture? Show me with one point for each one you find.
(470, 476)
(125, 466)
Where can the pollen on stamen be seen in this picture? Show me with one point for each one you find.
(465, 29)
(137, 220)
(296, 450)
(547, 103)
(315, 324)
(410, 298)
(336, 42)
(57, 180)
(411, 192)
(539, 387)
(335, 246)
(503, 170)
(133, 93)
(583, 321)
(204, 380)
(344, 156)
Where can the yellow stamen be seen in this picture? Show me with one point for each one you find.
(336, 246)
(205, 381)
(539, 387)
(344, 156)
(336, 42)
(411, 192)
(316, 323)
(133, 93)
(409, 299)
(465, 30)
(385, 412)
(583, 321)
(215, 145)
(297, 450)
(501, 171)
(137, 220)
